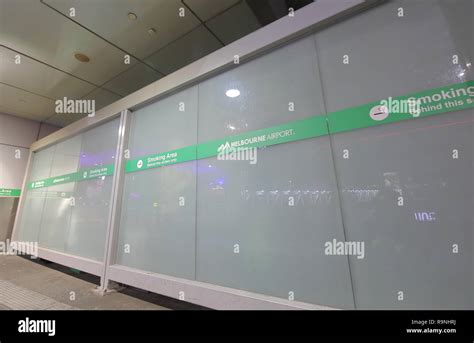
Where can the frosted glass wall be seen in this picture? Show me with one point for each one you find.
(189, 219)
(71, 217)
(157, 228)
(264, 226)
(280, 210)
(409, 241)
(401, 193)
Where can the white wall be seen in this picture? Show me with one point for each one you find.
(16, 135)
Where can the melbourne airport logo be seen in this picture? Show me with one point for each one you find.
(19, 248)
(242, 149)
(82, 106)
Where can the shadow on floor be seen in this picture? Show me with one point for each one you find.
(157, 299)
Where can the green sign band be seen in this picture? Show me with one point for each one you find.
(293, 131)
(160, 160)
(288, 132)
(81, 175)
(426, 103)
(421, 104)
(10, 192)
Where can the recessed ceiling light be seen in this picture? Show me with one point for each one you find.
(232, 93)
(81, 57)
(151, 31)
(132, 16)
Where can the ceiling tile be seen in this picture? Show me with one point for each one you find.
(234, 23)
(206, 9)
(24, 104)
(49, 37)
(185, 50)
(39, 78)
(108, 18)
(138, 76)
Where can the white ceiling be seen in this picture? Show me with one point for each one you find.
(47, 37)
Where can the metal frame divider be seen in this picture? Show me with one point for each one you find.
(114, 215)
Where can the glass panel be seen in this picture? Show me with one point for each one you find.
(57, 207)
(157, 228)
(30, 218)
(262, 227)
(404, 195)
(71, 217)
(89, 217)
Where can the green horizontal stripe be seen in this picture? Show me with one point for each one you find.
(162, 159)
(10, 192)
(81, 175)
(293, 131)
(288, 132)
(433, 101)
(358, 117)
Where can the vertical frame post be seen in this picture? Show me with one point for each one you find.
(116, 199)
(24, 187)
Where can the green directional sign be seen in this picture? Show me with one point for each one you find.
(429, 102)
(10, 192)
(421, 104)
(81, 175)
(162, 159)
(288, 132)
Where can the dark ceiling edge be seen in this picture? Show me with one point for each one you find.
(218, 13)
(204, 23)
